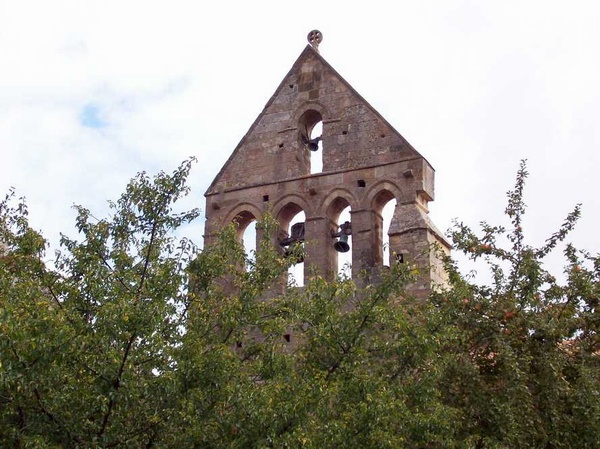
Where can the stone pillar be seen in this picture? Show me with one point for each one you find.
(364, 237)
(318, 246)
(414, 237)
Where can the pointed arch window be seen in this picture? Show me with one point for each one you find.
(246, 235)
(387, 212)
(343, 246)
(310, 128)
(340, 249)
(384, 207)
(291, 240)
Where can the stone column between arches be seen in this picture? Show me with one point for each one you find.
(363, 240)
(320, 256)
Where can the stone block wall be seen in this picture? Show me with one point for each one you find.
(365, 161)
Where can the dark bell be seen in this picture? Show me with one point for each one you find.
(341, 247)
(297, 235)
(313, 144)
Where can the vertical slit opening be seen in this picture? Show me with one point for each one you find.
(344, 260)
(249, 242)
(310, 135)
(387, 213)
(316, 156)
(296, 271)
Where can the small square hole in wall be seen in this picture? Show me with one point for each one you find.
(400, 258)
(265, 198)
(361, 183)
(281, 145)
(287, 337)
(238, 344)
(344, 132)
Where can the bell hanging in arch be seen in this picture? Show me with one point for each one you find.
(313, 144)
(293, 243)
(342, 246)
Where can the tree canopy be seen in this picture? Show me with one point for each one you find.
(133, 337)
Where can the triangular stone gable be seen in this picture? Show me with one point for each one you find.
(354, 134)
(366, 163)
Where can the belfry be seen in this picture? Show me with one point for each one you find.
(318, 147)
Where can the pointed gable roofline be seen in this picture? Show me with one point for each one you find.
(308, 51)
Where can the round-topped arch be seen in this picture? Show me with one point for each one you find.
(290, 212)
(310, 121)
(382, 199)
(243, 215)
(338, 247)
(336, 201)
(288, 206)
(311, 108)
(380, 193)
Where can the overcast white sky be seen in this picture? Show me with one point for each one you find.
(92, 92)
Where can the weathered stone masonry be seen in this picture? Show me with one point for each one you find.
(366, 163)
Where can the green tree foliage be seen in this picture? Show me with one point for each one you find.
(86, 349)
(524, 370)
(132, 338)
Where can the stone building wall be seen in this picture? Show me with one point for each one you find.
(365, 161)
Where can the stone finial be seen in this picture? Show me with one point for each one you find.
(314, 38)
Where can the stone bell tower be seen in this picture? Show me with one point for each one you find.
(365, 164)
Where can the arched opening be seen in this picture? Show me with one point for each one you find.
(291, 240)
(316, 156)
(384, 206)
(344, 258)
(340, 251)
(296, 271)
(246, 235)
(310, 132)
(249, 242)
(387, 213)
